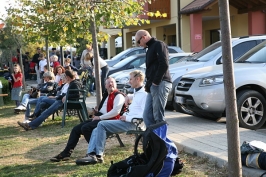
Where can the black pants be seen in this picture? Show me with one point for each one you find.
(85, 129)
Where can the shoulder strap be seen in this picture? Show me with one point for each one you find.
(105, 95)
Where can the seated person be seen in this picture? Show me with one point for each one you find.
(72, 95)
(59, 71)
(108, 127)
(75, 72)
(109, 108)
(68, 63)
(44, 102)
(54, 62)
(46, 88)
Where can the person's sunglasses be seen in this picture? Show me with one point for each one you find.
(139, 40)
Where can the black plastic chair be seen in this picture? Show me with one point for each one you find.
(79, 105)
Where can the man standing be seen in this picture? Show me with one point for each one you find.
(104, 128)
(158, 85)
(36, 60)
(60, 100)
(26, 64)
(109, 108)
(158, 82)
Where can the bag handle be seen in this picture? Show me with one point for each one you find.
(136, 144)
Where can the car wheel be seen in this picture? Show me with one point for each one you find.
(250, 107)
(181, 108)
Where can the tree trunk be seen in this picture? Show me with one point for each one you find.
(61, 56)
(22, 69)
(96, 62)
(47, 53)
(234, 161)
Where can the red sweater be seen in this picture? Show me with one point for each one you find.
(18, 83)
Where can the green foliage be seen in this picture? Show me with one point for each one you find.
(5, 89)
(63, 21)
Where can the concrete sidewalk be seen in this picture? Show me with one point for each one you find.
(203, 137)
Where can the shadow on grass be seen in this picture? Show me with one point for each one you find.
(52, 169)
(50, 128)
(41, 165)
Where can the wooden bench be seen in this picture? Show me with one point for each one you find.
(3, 94)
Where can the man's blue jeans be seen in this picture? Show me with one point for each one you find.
(105, 128)
(30, 102)
(52, 109)
(25, 99)
(35, 101)
(156, 102)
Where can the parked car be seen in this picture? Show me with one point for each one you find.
(210, 56)
(131, 62)
(202, 90)
(137, 50)
(122, 77)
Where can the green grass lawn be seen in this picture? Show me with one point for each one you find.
(27, 153)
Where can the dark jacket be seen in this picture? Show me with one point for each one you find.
(47, 87)
(157, 65)
(72, 95)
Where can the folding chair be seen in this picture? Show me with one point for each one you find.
(79, 104)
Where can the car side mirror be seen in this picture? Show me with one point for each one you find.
(219, 61)
(130, 67)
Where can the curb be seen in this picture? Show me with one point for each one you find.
(246, 172)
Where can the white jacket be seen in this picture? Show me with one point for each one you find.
(137, 106)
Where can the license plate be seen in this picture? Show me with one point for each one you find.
(179, 99)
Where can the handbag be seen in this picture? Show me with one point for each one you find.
(34, 93)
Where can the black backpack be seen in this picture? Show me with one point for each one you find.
(148, 163)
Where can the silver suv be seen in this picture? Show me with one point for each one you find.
(202, 90)
(210, 56)
(137, 50)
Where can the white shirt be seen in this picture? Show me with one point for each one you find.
(118, 104)
(42, 63)
(65, 88)
(57, 78)
(102, 62)
(136, 108)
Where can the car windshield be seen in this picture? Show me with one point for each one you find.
(185, 58)
(118, 56)
(206, 54)
(124, 62)
(254, 55)
(143, 65)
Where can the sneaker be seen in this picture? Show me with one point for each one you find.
(89, 159)
(24, 125)
(26, 121)
(20, 108)
(60, 157)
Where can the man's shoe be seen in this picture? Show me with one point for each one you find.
(31, 119)
(24, 125)
(60, 157)
(89, 159)
(99, 159)
(20, 108)
(32, 115)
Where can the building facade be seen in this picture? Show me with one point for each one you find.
(195, 24)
